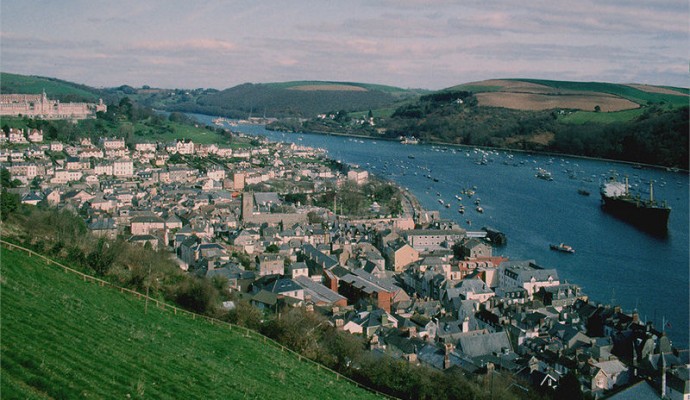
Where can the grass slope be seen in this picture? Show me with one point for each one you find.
(65, 338)
(55, 88)
(624, 91)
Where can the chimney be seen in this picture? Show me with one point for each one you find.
(448, 347)
(466, 325)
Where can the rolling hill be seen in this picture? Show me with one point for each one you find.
(304, 99)
(536, 95)
(55, 88)
(66, 338)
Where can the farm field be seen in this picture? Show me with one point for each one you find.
(582, 117)
(66, 338)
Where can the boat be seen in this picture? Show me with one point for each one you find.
(562, 248)
(479, 209)
(583, 192)
(648, 215)
(409, 140)
(544, 174)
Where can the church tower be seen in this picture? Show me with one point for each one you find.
(247, 206)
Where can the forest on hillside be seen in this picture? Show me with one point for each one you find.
(657, 136)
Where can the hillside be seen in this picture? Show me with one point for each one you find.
(293, 99)
(643, 124)
(55, 88)
(66, 338)
(613, 102)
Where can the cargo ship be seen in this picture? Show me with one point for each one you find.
(647, 215)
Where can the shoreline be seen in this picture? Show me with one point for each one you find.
(505, 149)
(594, 299)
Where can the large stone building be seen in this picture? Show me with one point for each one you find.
(38, 105)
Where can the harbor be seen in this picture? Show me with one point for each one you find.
(612, 256)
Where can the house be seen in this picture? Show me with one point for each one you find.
(103, 227)
(399, 255)
(369, 322)
(286, 287)
(270, 264)
(474, 289)
(359, 285)
(265, 299)
(606, 375)
(559, 295)
(319, 294)
(238, 279)
(526, 274)
(32, 198)
(472, 248)
(359, 177)
(143, 240)
(433, 239)
(298, 269)
(484, 344)
(143, 225)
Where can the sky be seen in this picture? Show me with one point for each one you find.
(430, 44)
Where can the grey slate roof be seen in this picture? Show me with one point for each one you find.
(318, 292)
(484, 344)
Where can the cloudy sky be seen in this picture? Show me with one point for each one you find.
(407, 43)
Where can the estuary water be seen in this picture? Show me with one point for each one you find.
(614, 262)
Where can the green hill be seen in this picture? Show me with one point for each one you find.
(55, 88)
(294, 99)
(66, 338)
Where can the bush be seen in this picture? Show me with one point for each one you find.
(196, 295)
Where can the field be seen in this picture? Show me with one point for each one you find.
(178, 131)
(535, 94)
(626, 91)
(582, 117)
(54, 88)
(329, 87)
(537, 101)
(66, 338)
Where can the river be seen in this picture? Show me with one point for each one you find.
(614, 262)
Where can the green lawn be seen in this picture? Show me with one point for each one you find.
(172, 131)
(66, 338)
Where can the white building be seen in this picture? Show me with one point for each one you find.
(527, 275)
(123, 168)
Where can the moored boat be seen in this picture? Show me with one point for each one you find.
(562, 248)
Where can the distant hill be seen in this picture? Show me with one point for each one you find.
(55, 88)
(303, 99)
(534, 95)
(638, 123)
(66, 338)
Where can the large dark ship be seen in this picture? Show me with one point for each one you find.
(646, 214)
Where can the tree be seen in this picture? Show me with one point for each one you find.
(597, 108)
(569, 388)
(9, 202)
(272, 249)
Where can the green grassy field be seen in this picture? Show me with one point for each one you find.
(66, 338)
(179, 131)
(582, 117)
(13, 83)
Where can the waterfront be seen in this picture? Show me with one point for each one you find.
(614, 262)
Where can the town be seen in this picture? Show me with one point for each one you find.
(414, 286)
